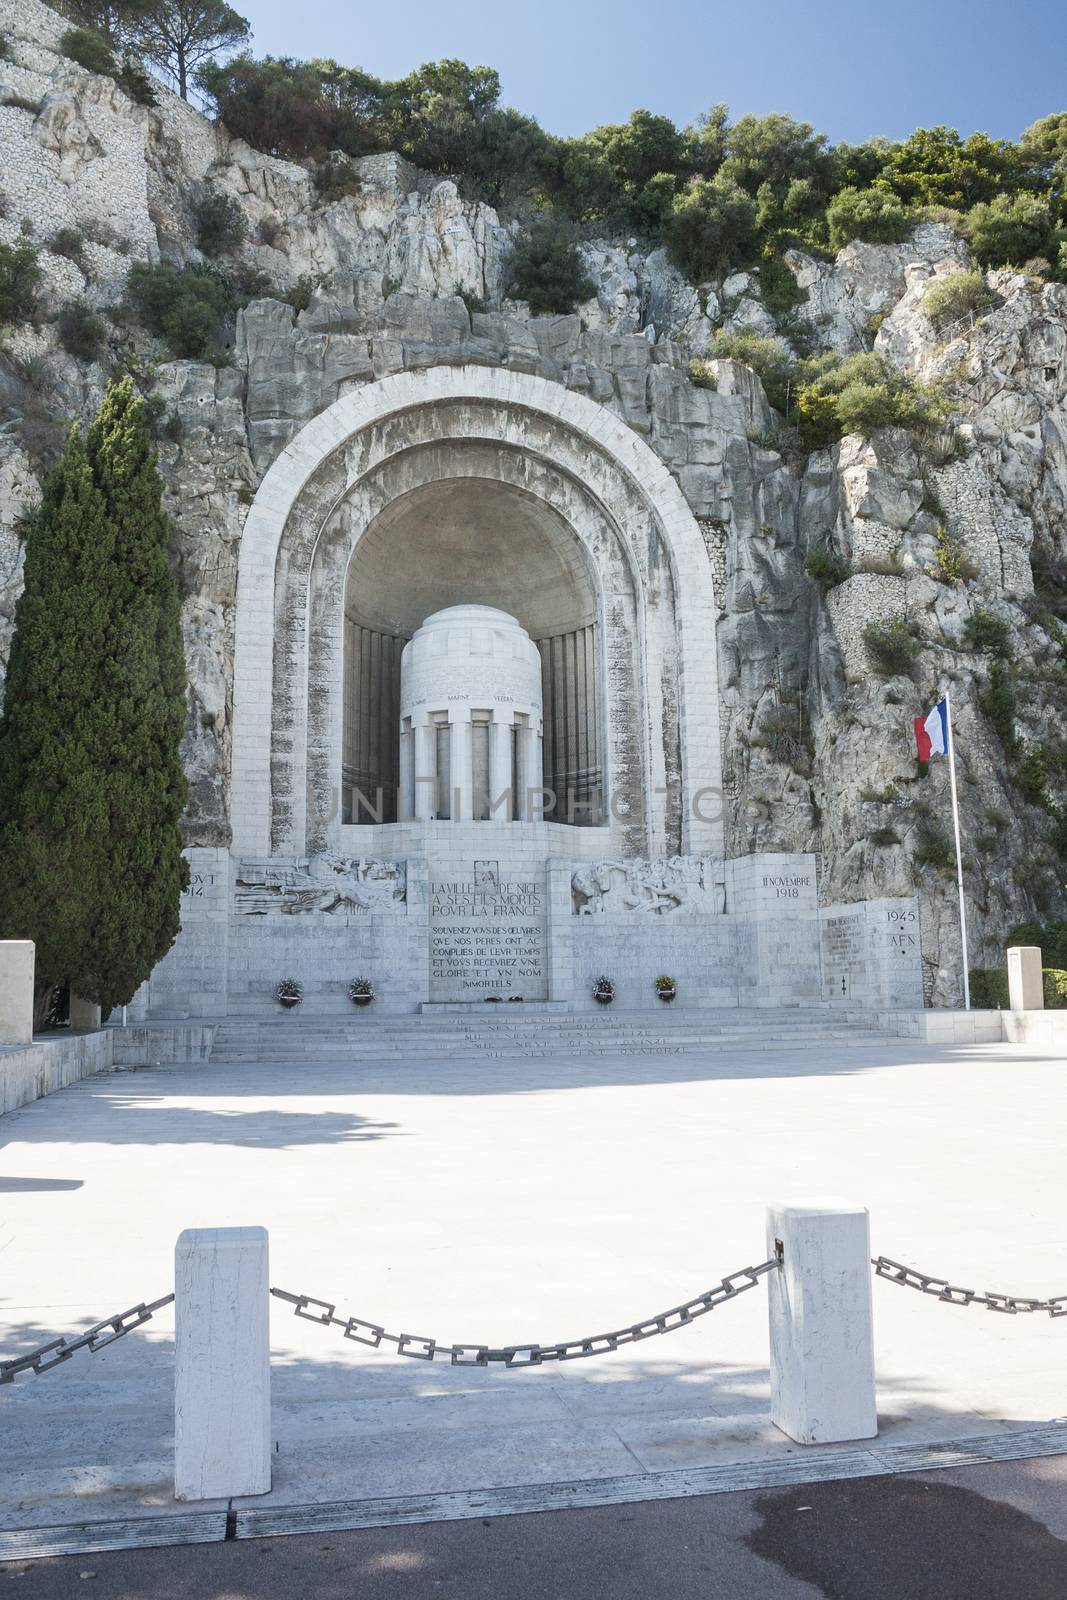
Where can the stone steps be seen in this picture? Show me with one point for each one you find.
(405, 1038)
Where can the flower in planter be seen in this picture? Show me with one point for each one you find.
(289, 990)
(665, 985)
(361, 989)
(603, 990)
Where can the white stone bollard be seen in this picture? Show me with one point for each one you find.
(222, 1364)
(822, 1339)
(16, 991)
(1026, 985)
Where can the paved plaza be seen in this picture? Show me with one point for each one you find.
(521, 1200)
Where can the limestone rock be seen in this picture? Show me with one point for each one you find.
(864, 282)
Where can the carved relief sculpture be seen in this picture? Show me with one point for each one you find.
(326, 882)
(672, 883)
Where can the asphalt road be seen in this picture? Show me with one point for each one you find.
(980, 1533)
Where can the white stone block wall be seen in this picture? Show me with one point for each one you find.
(774, 945)
(871, 954)
(191, 980)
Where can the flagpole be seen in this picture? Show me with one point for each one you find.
(959, 853)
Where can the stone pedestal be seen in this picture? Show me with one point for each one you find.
(822, 1342)
(1026, 988)
(16, 991)
(221, 1364)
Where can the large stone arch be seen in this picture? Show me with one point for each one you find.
(319, 497)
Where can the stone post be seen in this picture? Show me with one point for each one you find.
(1026, 985)
(221, 1364)
(822, 1341)
(16, 990)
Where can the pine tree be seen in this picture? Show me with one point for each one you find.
(91, 784)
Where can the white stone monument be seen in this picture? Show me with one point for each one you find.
(470, 719)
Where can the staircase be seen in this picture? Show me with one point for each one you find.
(378, 1038)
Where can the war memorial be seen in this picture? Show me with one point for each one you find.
(476, 735)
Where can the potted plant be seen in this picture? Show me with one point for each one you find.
(666, 987)
(603, 991)
(361, 991)
(289, 993)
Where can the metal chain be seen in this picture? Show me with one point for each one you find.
(952, 1294)
(528, 1355)
(50, 1355)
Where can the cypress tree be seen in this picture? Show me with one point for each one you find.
(91, 784)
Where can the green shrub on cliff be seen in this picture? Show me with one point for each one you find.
(948, 299)
(770, 359)
(90, 50)
(858, 394)
(1011, 228)
(712, 225)
(871, 215)
(184, 306)
(891, 648)
(547, 268)
(20, 275)
(220, 222)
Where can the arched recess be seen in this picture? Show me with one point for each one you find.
(345, 468)
(465, 532)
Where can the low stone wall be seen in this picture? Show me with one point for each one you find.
(145, 1045)
(1035, 1027)
(941, 1027)
(55, 1061)
(29, 1071)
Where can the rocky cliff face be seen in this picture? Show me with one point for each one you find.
(817, 747)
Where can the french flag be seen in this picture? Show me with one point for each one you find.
(931, 732)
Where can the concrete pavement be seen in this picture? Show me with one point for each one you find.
(504, 1201)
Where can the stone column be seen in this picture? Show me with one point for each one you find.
(533, 774)
(406, 797)
(1026, 985)
(501, 777)
(16, 990)
(425, 770)
(461, 806)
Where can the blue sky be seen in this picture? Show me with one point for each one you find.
(852, 69)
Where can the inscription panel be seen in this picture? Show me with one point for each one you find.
(488, 934)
